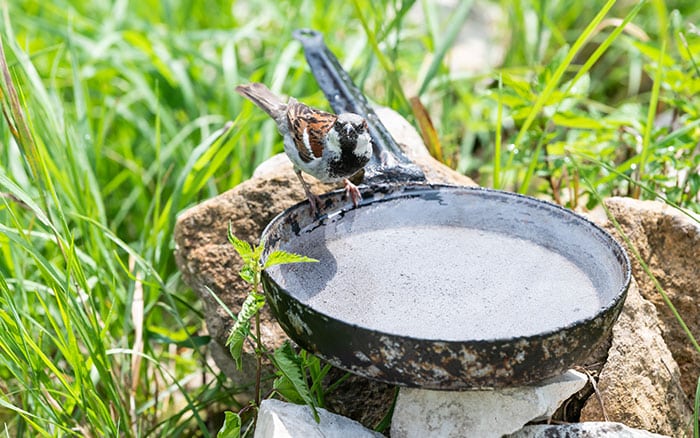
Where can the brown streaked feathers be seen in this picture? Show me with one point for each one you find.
(302, 119)
(312, 124)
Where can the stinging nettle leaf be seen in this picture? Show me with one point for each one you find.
(241, 329)
(235, 341)
(242, 247)
(252, 304)
(287, 390)
(257, 252)
(231, 427)
(247, 273)
(289, 364)
(283, 257)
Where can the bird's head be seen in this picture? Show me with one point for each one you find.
(353, 134)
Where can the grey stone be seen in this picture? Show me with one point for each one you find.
(483, 413)
(587, 430)
(278, 419)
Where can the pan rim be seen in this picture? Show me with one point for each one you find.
(418, 189)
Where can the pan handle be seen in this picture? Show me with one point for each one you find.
(388, 163)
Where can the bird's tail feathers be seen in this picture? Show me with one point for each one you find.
(261, 96)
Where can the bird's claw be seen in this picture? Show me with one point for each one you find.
(315, 203)
(353, 192)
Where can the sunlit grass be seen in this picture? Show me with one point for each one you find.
(125, 116)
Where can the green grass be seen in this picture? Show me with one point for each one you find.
(125, 116)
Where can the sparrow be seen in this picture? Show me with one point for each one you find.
(329, 147)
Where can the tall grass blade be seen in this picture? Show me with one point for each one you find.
(553, 82)
(603, 47)
(448, 38)
(497, 147)
(651, 115)
(386, 64)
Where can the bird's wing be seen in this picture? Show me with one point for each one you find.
(308, 128)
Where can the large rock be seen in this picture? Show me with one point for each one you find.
(669, 243)
(652, 368)
(210, 266)
(638, 385)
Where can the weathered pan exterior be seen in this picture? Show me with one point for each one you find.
(435, 363)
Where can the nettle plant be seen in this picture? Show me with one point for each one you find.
(298, 374)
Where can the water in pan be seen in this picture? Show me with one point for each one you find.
(442, 283)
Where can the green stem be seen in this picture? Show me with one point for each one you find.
(258, 354)
(696, 410)
(258, 339)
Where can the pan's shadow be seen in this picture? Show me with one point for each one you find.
(305, 280)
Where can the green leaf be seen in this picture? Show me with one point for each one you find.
(243, 248)
(235, 341)
(290, 365)
(573, 121)
(189, 342)
(258, 250)
(317, 374)
(247, 273)
(655, 52)
(286, 389)
(282, 257)
(694, 183)
(231, 427)
(520, 86)
(558, 73)
(241, 329)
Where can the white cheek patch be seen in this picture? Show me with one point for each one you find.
(332, 142)
(364, 145)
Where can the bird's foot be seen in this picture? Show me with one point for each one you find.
(315, 203)
(353, 192)
(314, 200)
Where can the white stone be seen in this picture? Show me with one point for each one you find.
(278, 419)
(482, 413)
(593, 429)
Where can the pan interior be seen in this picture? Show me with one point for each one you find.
(454, 267)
